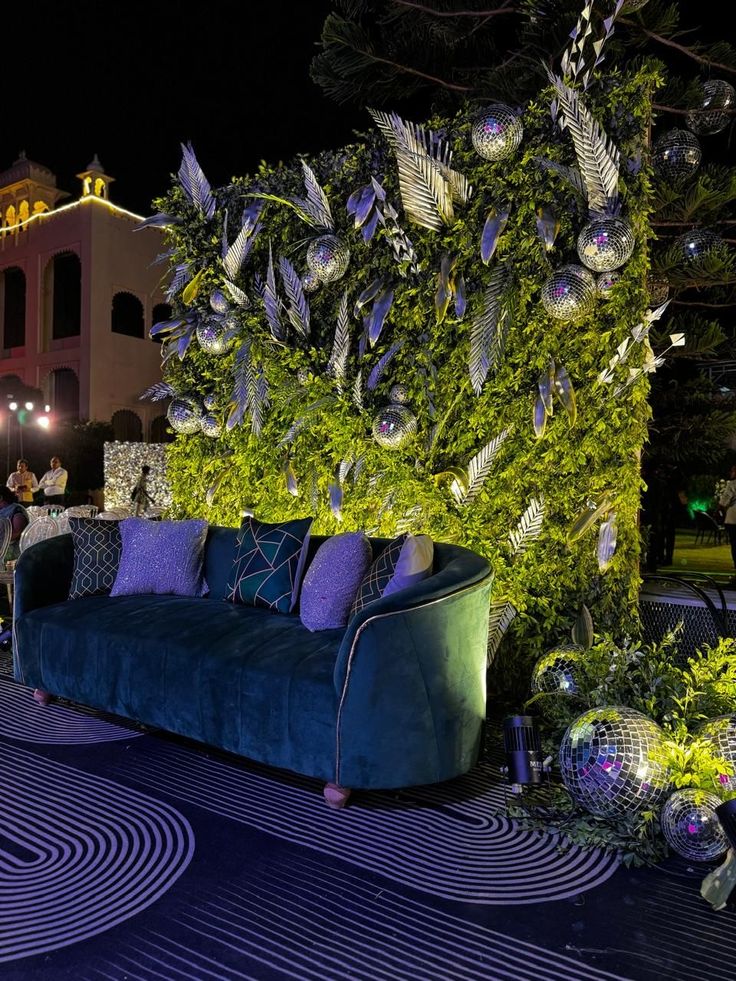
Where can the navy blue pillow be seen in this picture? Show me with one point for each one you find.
(379, 575)
(269, 564)
(97, 550)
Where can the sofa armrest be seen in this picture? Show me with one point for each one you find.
(43, 574)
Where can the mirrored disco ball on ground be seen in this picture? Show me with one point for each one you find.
(609, 761)
(211, 425)
(328, 258)
(715, 110)
(497, 132)
(721, 732)
(214, 335)
(555, 670)
(219, 302)
(697, 243)
(399, 393)
(691, 826)
(185, 414)
(658, 289)
(393, 426)
(605, 244)
(605, 283)
(210, 401)
(676, 155)
(310, 282)
(569, 293)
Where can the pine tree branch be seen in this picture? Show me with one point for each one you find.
(409, 71)
(485, 14)
(682, 48)
(709, 306)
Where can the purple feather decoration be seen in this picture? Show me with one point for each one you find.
(182, 345)
(460, 300)
(353, 200)
(492, 230)
(380, 366)
(242, 372)
(159, 220)
(548, 226)
(369, 229)
(195, 184)
(363, 342)
(365, 206)
(369, 293)
(380, 310)
(336, 500)
(158, 391)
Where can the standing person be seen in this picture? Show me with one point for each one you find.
(16, 515)
(53, 483)
(23, 482)
(727, 503)
(139, 496)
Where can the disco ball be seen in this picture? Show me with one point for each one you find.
(676, 155)
(210, 401)
(555, 670)
(214, 335)
(697, 243)
(219, 302)
(605, 244)
(721, 732)
(605, 283)
(393, 426)
(658, 289)
(691, 826)
(399, 393)
(185, 414)
(310, 282)
(211, 425)
(569, 293)
(715, 110)
(497, 131)
(328, 258)
(608, 761)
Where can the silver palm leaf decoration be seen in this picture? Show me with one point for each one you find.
(316, 204)
(486, 332)
(480, 466)
(298, 309)
(501, 617)
(338, 363)
(194, 183)
(157, 392)
(528, 528)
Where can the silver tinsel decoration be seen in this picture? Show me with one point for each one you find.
(211, 425)
(697, 243)
(658, 289)
(393, 426)
(399, 393)
(716, 109)
(606, 281)
(214, 335)
(497, 132)
(721, 732)
(691, 826)
(122, 468)
(555, 670)
(328, 258)
(210, 401)
(185, 414)
(676, 155)
(605, 244)
(608, 761)
(310, 282)
(569, 293)
(219, 302)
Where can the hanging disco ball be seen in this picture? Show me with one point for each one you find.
(211, 425)
(715, 109)
(605, 244)
(608, 761)
(393, 426)
(219, 302)
(210, 401)
(310, 282)
(569, 293)
(697, 243)
(185, 414)
(399, 393)
(658, 290)
(215, 335)
(497, 132)
(328, 258)
(605, 283)
(691, 826)
(676, 155)
(555, 670)
(721, 733)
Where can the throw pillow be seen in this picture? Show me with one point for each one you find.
(97, 549)
(269, 563)
(404, 561)
(332, 580)
(161, 557)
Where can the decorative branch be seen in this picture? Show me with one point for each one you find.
(682, 48)
(485, 14)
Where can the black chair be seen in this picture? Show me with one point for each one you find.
(707, 529)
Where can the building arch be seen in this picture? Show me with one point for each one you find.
(127, 426)
(126, 316)
(160, 312)
(61, 391)
(62, 297)
(12, 307)
(160, 430)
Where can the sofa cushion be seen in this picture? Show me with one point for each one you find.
(406, 560)
(332, 580)
(97, 550)
(269, 563)
(145, 546)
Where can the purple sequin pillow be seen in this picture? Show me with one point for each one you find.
(161, 557)
(332, 580)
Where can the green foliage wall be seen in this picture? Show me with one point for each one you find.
(397, 489)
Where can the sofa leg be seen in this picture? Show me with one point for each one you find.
(41, 696)
(336, 796)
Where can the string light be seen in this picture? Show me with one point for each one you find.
(67, 207)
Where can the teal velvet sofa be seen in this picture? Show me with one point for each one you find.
(395, 699)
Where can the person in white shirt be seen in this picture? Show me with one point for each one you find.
(23, 482)
(53, 483)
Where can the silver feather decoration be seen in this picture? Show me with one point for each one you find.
(214, 487)
(485, 330)
(528, 528)
(194, 183)
(571, 175)
(303, 421)
(237, 253)
(243, 383)
(358, 390)
(181, 277)
(380, 367)
(237, 295)
(480, 466)
(157, 392)
(316, 204)
(338, 363)
(272, 302)
(500, 618)
(298, 310)
(607, 535)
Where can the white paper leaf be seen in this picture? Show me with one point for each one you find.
(528, 528)
(480, 466)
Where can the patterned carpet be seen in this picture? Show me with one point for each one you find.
(128, 855)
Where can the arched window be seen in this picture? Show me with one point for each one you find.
(23, 211)
(162, 311)
(61, 391)
(160, 431)
(127, 426)
(64, 284)
(13, 307)
(127, 315)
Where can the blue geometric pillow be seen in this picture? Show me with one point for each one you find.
(97, 550)
(269, 562)
(406, 560)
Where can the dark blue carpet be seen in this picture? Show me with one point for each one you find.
(131, 856)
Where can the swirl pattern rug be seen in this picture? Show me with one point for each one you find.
(127, 855)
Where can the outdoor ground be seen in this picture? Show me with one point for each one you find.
(712, 559)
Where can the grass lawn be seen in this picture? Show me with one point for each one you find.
(714, 560)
